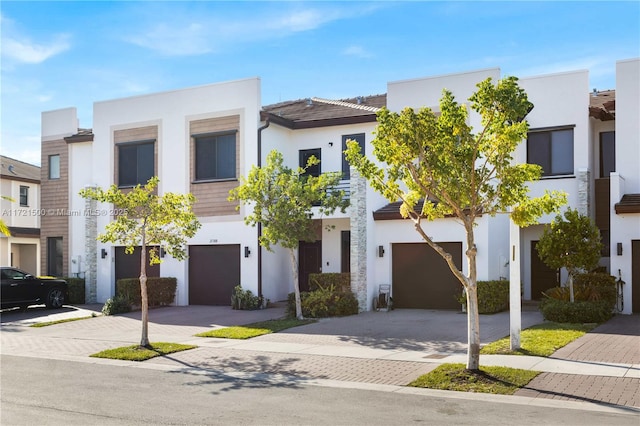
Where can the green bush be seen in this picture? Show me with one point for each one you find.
(324, 303)
(598, 285)
(246, 300)
(493, 296)
(330, 281)
(75, 288)
(161, 290)
(116, 305)
(577, 312)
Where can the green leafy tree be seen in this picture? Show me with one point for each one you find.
(147, 219)
(283, 201)
(571, 242)
(439, 159)
(4, 229)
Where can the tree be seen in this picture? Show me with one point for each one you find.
(146, 219)
(572, 242)
(4, 229)
(283, 201)
(438, 159)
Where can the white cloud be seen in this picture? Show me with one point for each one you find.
(172, 40)
(357, 51)
(20, 48)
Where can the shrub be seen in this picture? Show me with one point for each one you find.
(493, 296)
(76, 290)
(324, 303)
(577, 312)
(116, 305)
(598, 286)
(160, 290)
(246, 300)
(327, 281)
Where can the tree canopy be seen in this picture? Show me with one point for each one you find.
(439, 159)
(284, 201)
(147, 219)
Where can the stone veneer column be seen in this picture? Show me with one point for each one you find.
(91, 251)
(584, 192)
(358, 223)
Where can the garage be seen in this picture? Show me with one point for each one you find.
(421, 278)
(214, 270)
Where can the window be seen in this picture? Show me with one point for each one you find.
(345, 164)
(54, 257)
(552, 150)
(607, 153)
(135, 163)
(54, 166)
(215, 156)
(305, 154)
(24, 196)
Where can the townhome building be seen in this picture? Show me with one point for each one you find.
(20, 206)
(203, 139)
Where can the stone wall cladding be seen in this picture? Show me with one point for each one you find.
(584, 192)
(91, 252)
(358, 222)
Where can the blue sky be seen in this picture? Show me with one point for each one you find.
(61, 54)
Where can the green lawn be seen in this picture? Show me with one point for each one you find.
(137, 353)
(48, 323)
(499, 380)
(540, 340)
(255, 329)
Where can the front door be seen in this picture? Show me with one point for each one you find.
(542, 277)
(635, 276)
(309, 262)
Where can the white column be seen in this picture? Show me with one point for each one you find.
(515, 303)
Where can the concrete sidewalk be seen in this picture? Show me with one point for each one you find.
(378, 348)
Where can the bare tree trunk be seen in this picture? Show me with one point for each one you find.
(473, 328)
(144, 298)
(296, 283)
(570, 280)
(473, 317)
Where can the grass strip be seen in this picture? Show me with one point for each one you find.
(48, 323)
(138, 353)
(539, 340)
(455, 377)
(255, 329)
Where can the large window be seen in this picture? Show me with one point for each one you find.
(54, 166)
(607, 153)
(24, 196)
(215, 156)
(135, 163)
(345, 164)
(552, 150)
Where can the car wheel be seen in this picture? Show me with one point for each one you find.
(55, 298)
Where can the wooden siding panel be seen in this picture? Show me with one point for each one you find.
(54, 202)
(211, 197)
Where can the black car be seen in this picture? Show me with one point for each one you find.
(22, 289)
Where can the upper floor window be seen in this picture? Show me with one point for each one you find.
(607, 153)
(345, 164)
(135, 163)
(54, 166)
(215, 156)
(24, 196)
(305, 154)
(552, 150)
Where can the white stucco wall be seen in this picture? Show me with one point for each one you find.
(626, 180)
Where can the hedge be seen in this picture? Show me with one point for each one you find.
(576, 312)
(322, 304)
(493, 296)
(161, 290)
(75, 290)
(330, 281)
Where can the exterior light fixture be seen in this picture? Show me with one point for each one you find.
(380, 251)
(247, 252)
(103, 253)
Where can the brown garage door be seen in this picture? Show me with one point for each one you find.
(213, 273)
(421, 277)
(128, 265)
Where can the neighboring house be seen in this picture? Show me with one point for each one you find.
(21, 183)
(203, 139)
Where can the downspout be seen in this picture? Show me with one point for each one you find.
(260, 129)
